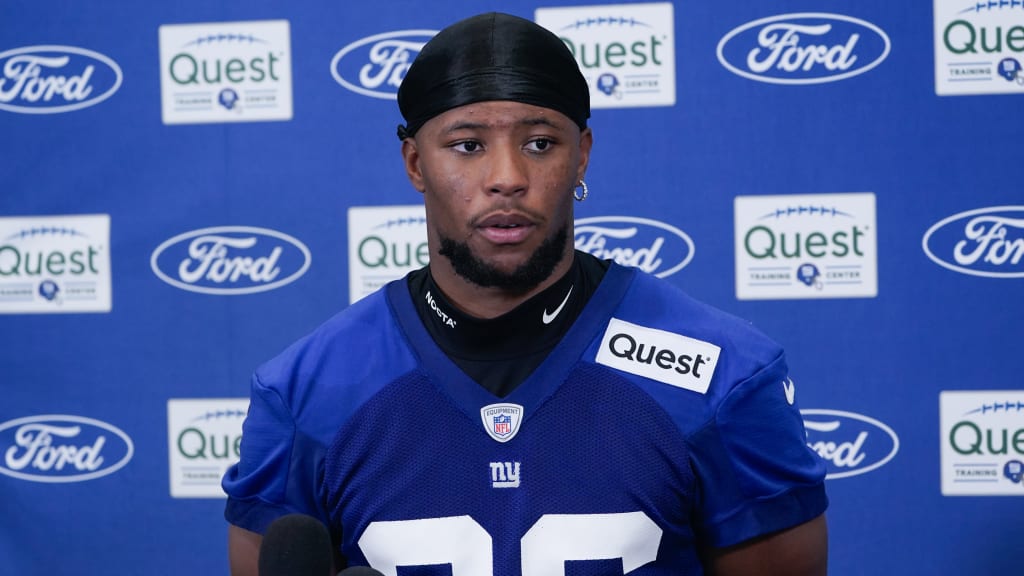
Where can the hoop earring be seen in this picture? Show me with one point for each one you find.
(579, 197)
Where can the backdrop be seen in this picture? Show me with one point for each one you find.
(187, 187)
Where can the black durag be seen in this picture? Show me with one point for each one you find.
(492, 57)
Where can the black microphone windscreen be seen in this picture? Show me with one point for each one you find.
(360, 571)
(295, 545)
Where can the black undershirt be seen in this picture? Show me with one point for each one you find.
(499, 353)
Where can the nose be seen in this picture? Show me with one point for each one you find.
(507, 171)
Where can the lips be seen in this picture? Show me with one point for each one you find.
(506, 228)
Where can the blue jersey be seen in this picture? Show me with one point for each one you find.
(658, 426)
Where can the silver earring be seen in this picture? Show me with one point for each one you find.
(580, 197)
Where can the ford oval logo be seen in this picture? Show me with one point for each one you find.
(230, 260)
(806, 48)
(53, 79)
(59, 448)
(376, 65)
(654, 247)
(983, 242)
(850, 443)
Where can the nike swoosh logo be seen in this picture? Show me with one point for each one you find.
(790, 389)
(548, 317)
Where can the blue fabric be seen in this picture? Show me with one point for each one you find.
(366, 422)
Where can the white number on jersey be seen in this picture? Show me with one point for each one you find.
(546, 546)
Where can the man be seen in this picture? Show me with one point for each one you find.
(517, 407)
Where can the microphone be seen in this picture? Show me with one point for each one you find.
(296, 545)
(360, 571)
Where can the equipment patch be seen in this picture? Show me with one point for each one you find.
(502, 420)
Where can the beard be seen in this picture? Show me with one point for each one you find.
(524, 278)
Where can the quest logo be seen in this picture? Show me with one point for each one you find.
(654, 247)
(979, 47)
(626, 52)
(806, 246)
(226, 72)
(667, 357)
(850, 443)
(55, 264)
(58, 448)
(204, 439)
(54, 79)
(230, 260)
(984, 242)
(805, 48)
(375, 66)
(384, 243)
(982, 442)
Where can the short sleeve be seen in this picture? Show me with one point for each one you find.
(756, 474)
(276, 474)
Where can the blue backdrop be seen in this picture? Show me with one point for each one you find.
(187, 187)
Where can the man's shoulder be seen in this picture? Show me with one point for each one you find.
(657, 324)
(689, 356)
(364, 332)
(662, 305)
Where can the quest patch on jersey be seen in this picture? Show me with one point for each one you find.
(502, 420)
(667, 357)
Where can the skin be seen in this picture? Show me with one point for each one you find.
(496, 163)
(481, 168)
(798, 551)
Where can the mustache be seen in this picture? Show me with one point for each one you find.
(508, 208)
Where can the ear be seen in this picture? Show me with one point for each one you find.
(586, 141)
(411, 158)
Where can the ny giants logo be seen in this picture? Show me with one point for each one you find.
(375, 66)
(505, 474)
(54, 79)
(807, 48)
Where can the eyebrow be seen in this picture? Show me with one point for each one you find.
(470, 125)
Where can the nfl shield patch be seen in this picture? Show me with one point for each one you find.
(502, 420)
(503, 425)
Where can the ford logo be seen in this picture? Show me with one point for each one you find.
(376, 65)
(230, 260)
(983, 242)
(654, 247)
(53, 79)
(850, 443)
(806, 48)
(58, 448)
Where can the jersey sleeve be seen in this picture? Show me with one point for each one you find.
(756, 474)
(276, 473)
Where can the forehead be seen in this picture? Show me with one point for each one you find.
(498, 114)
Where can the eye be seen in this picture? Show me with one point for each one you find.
(468, 146)
(540, 144)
